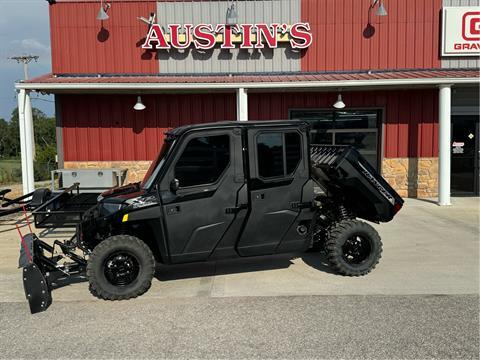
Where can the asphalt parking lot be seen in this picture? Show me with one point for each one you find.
(420, 302)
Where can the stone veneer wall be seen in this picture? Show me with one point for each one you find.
(136, 169)
(412, 177)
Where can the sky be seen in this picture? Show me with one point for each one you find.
(24, 30)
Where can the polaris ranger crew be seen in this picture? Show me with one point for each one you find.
(217, 191)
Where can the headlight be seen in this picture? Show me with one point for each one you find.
(110, 208)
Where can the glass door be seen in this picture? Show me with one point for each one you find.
(465, 155)
(358, 128)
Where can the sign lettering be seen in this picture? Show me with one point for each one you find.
(243, 36)
(461, 31)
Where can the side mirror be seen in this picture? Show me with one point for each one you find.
(174, 185)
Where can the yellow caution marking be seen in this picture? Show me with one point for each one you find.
(125, 218)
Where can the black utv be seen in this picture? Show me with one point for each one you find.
(217, 191)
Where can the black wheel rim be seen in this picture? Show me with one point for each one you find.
(121, 268)
(356, 250)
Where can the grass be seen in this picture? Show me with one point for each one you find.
(10, 171)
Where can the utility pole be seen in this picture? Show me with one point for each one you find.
(26, 59)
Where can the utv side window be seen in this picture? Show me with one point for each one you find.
(278, 153)
(203, 160)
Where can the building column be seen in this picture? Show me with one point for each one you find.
(25, 121)
(444, 142)
(242, 105)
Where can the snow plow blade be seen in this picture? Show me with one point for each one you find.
(36, 289)
(345, 174)
(42, 270)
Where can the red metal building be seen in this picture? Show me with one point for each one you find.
(407, 72)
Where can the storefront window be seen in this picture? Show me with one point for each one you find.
(358, 128)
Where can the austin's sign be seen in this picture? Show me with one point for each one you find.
(243, 36)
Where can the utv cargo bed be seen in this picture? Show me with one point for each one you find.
(344, 174)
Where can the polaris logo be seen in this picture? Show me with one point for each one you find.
(377, 185)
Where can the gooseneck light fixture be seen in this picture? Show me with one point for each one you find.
(381, 11)
(139, 105)
(102, 13)
(232, 14)
(339, 104)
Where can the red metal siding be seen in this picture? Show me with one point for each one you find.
(106, 128)
(407, 38)
(80, 45)
(410, 116)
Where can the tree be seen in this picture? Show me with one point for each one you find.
(3, 138)
(45, 141)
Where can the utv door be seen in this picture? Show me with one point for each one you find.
(278, 166)
(208, 171)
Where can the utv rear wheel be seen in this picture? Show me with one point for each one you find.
(120, 267)
(353, 247)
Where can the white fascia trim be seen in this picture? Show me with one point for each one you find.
(259, 85)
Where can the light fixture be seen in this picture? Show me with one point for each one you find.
(102, 13)
(339, 104)
(232, 15)
(381, 11)
(150, 21)
(139, 105)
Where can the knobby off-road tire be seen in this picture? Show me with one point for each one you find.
(120, 267)
(353, 247)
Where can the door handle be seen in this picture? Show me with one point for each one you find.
(234, 210)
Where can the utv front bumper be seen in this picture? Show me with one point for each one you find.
(45, 270)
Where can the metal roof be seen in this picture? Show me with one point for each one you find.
(260, 77)
(65, 82)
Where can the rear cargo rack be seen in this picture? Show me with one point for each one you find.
(64, 209)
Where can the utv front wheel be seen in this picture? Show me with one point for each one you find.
(353, 247)
(120, 267)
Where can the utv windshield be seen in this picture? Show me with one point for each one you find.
(156, 164)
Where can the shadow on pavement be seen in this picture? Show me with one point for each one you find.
(315, 260)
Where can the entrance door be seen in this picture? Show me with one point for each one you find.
(203, 210)
(278, 164)
(465, 155)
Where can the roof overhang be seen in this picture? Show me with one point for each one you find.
(257, 82)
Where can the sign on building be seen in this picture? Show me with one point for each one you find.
(461, 31)
(243, 36)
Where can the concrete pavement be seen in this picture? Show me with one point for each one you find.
(328, 327)
(421, 301)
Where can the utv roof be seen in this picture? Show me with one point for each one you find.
(231, 124)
